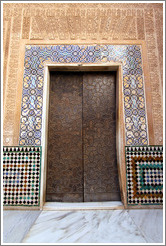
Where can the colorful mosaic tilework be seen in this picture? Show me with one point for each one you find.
(21, 176)
(144, 166)
(133, 85)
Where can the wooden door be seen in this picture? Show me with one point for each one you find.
(81, 162)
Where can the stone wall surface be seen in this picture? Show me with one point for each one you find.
(78, 23)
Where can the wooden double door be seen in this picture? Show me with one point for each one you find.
(81, 155)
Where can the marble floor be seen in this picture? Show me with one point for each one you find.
(84, 226)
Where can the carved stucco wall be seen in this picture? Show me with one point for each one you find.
(82, 23)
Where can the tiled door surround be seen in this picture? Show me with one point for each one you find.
(134, 125)
(130, 58)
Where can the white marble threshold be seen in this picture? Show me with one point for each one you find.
(61, 206)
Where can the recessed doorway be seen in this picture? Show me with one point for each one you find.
(81, 145)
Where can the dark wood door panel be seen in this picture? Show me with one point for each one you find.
(64, 165)
(99, 137)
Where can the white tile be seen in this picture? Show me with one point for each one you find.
(16, 224)
(150, 222)
(107, 226)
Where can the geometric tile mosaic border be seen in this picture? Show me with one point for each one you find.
(21, 176)
(144, 169)
(133, 85)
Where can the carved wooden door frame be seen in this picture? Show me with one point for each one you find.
(120, 124)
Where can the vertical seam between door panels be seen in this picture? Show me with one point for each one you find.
(83, 136)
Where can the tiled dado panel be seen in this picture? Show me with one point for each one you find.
(144, 168)
(21, 176)
(133, 85)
